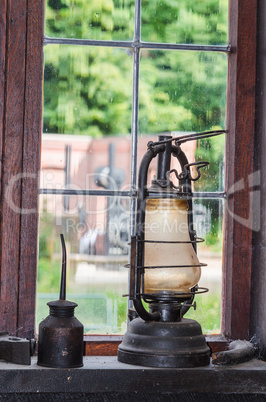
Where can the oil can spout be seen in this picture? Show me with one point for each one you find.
(61, 333)
(63, 272)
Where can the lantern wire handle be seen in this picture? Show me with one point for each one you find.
(188, 137)
(63, 272)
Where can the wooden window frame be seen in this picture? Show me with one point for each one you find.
(21, 33)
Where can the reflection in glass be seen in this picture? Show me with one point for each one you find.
(182, 91)
(94, 19)
(208, 223)
(96, 233)
(87, 90)
(185, 21)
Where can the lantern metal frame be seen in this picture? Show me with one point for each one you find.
(146, 342)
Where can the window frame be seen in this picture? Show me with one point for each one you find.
(21, 32)
(21, 56)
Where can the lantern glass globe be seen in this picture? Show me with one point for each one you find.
(167, 220)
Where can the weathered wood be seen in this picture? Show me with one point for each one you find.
(258, 299)
(31, 166)
(101, 345)
(240, 151)
(2, 74)
(20, 109)
(12, 162)
(217, 343)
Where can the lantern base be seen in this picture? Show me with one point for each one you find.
(164, 344)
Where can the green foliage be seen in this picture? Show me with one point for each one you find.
(98, 19)
(48, 275)
(88, 90)
(48, 269)
(185, 21)
(207, 312)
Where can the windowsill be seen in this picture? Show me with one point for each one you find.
(107, 375)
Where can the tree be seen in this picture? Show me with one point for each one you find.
(88, 89)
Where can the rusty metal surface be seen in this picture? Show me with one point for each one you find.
(132, 282)
(238, 352)
(60, 342)
(61, 334)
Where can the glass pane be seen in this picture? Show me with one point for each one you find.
(185, 21)
(182, 91)
(96, 234)
(87, 117)
(94, 19)
(211, 150)
(82, 162)
(87, 91)
(208, 223)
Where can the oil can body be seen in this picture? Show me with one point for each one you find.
(60, 342)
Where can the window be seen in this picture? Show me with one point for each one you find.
(94, 122)
(21, 126)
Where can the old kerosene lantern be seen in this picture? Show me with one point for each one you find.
(60, 342)
(164, 267)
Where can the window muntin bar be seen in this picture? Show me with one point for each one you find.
(137, 33)
(137, 44)
(134, 134)
(86, 192)
(114, 193)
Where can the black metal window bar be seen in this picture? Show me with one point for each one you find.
(136, 45)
